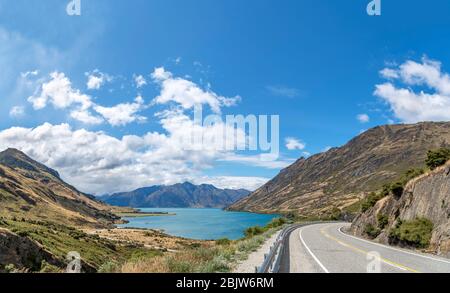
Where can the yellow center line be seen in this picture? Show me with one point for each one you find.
(366, 252)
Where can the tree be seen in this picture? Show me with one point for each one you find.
(436, 158)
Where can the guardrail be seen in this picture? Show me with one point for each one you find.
(272, 260)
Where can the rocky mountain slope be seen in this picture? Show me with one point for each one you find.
(426, 197)
(184, 195)
(342, 176)
(33, 191)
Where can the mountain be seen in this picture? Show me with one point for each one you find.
(340, 177)
(184, 195)
(394, 220)
(32, 191)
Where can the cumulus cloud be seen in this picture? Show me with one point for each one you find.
(422, 92)
(139, 81)
(98, 163)
(363, 118)
(294, 144)
(59, 92)
(96, 79)
(123, 114)
(186, 93)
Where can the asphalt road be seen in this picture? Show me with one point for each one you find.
(325, 248)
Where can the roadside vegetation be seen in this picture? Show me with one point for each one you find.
(416, 233)
(59, 240)
(211, 257)
(435, 159)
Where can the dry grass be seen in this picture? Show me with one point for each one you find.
(208, 258)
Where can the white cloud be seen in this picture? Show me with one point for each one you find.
(96, 79)
(59, 92)
(123, 114)
(411, 102)
(186, 93)
(233, 182)
(140, 81)
(98, 163)
(85, 116)
(17, 111)
(389, 73)
(363, 118)
(294, 144)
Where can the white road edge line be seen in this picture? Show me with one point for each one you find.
(392, 248)
(311, 253)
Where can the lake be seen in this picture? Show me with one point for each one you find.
(201, 224)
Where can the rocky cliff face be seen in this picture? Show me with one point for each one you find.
(342, 176)
(23, 252)
(427, 196)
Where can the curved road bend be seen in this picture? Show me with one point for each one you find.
(325, 248)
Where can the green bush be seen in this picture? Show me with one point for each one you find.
(48, 268)
(253, 231)
(372, 231)
(383, 220)
(436, 158)
(371, 200)
(223, 241)
(278, 222)
(416, 233)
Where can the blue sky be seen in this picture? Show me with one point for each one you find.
(317, 64)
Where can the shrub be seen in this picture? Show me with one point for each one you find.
(397, 188)
(383, 220)
(49, 268)
(436, 158)
(253, 231)
(335, 214)
(371, 231)
(371, 200)
(278, 222)
(416, 233)
(10, 268)
(108, 267)
(223, 241)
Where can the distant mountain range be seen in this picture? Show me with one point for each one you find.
(340, 177)
(185, 195)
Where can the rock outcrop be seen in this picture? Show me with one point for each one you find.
(23, 253)
(427, 196)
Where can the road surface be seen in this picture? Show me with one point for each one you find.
(326, 248)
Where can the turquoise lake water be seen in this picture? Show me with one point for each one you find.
(201, 224)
